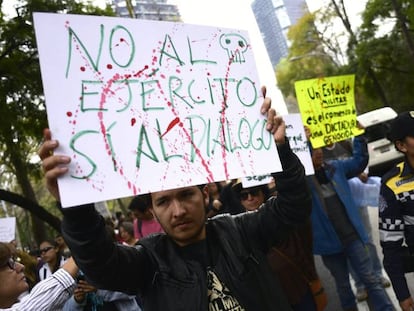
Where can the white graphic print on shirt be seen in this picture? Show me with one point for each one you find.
(219, 296)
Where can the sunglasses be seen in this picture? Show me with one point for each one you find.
(11, 263)
(46, 249)
(245, 193)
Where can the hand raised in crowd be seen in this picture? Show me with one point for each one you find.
(275, 124)
(53, 165)
(407, 304)
(82, 289)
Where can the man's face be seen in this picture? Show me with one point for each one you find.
(181, 213)
(317, 158)
(13, 282)
(251, 198)
(406, 146)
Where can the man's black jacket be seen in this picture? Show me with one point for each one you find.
(166, 281)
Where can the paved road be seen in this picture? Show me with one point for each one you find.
(328, 282)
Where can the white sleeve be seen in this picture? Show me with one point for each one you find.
(49, 294)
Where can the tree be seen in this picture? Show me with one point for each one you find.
(382, 61)
(389, 53)
(22, 106)
(309, 56)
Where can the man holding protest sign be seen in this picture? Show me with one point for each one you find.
(198, 264)
(338, 231)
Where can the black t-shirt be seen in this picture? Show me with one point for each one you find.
(336, 210)
(219, 296)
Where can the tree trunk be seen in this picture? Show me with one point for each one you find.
(402, 21)
(32, 207)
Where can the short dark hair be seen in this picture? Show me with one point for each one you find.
(140, 203)
(128, 227)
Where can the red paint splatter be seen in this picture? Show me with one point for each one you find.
(109, 66)
(69, 113)
(139, 73)
(133, 120)
(171, 125)
(82, 68)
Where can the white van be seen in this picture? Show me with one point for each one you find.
(382, 153)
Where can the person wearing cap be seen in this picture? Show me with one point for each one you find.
(396, 209)
(292, 261)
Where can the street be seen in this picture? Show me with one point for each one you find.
(329, 284)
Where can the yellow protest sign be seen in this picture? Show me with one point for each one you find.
(327, 107)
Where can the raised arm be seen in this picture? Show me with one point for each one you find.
(273, 222)
(106, 264)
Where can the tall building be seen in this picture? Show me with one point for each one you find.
(147, 9)
(274, 17)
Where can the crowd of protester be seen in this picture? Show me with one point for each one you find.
(254, 249)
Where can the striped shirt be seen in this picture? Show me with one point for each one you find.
(48, 295)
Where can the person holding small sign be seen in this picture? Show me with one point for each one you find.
(199, 263)
(339, 234)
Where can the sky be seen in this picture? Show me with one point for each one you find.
(238, 14)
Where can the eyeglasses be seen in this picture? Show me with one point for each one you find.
(46, 249)
(245, 193)
(11, 263)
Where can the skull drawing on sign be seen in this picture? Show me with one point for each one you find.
(235, 45)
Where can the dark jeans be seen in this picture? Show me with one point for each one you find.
(307, 303)
(358, 256)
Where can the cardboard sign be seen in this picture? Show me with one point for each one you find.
(327, 107)
(143, 106)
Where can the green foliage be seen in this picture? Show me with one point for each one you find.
(22, 106)
(387, 53)
(382, 60)
(307, 57)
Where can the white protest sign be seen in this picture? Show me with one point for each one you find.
(7, 229)
(142, 106)
(256, 180)
(295, 132)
